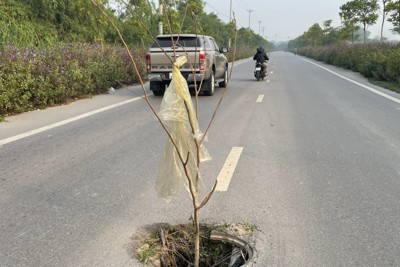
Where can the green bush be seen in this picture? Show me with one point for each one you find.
(380, 62)
(38, 78)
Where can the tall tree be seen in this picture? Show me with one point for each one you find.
(384, 14)
(394, 12)
(360, 11)
(349, 20)
(367, 13)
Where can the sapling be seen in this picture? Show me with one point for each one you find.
(186, 150)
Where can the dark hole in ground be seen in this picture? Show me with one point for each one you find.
(168, 246)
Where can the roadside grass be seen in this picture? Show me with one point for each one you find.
(388, 85)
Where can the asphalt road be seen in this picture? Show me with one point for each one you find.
(319, 174)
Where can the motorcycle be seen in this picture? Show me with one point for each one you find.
(259, 71)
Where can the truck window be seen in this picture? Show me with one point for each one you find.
(182, 41)
(206, 43)
(215, 45)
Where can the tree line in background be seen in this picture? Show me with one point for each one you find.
(356, 16)
(40, 23)
(348, 47)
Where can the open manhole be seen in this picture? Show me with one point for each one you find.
(238, 253)
(164, 245)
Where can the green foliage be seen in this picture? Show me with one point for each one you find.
(353, 12)
(380, 62)
(18, 28)
(349, 21)
(37, 78)
(29, 23)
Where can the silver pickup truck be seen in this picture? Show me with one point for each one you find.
(206, 63)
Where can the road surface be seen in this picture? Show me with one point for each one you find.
(317, 170)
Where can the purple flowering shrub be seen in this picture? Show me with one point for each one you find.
(379, 61)
(38, 78)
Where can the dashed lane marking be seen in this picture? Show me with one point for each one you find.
(225, 176)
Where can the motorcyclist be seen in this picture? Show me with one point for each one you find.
(262, 58)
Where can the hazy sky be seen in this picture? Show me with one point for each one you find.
(286, 19)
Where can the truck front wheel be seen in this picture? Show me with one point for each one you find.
(224, 83)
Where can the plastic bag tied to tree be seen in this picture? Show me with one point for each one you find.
(178, 115)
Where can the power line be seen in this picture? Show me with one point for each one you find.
(244, 6)
(218, 12)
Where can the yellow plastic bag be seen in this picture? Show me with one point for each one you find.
(178, 115)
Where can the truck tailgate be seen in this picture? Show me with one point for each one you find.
(161, 62)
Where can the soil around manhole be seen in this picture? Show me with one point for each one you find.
(165, 245)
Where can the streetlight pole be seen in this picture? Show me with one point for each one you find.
(160, 10)
(249, 10)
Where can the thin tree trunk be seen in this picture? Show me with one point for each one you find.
(383, 18)
(197, 238)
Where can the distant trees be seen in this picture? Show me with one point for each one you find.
(356, 16)
(316, 36)
(32, 23)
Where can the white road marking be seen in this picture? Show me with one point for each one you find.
(225, 176)
(357, 83)
(57, 124)
(260, 98)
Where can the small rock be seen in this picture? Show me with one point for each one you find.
(111, 91)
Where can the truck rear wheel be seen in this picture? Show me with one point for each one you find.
(209, 85)
(158, 88)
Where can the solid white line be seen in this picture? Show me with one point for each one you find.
(225, 176)
(57, 124)
(357, 83)
(260, 99)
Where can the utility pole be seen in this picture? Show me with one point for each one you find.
(259, 27)
(230, 21)
(230, 13)
(249, 10)
(160, 10)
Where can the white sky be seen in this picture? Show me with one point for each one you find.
(287, 19)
